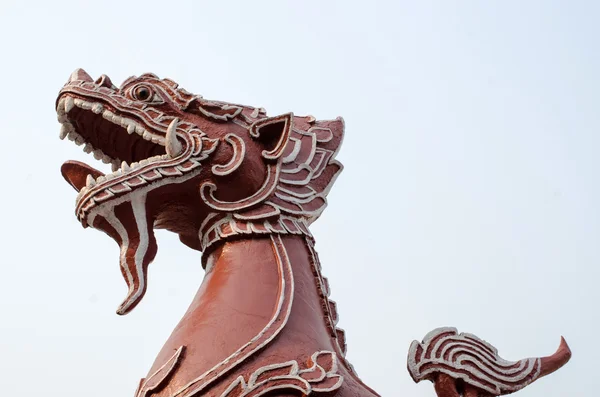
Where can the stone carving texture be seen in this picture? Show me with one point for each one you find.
(243, 188)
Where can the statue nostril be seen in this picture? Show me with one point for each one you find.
(104, 81)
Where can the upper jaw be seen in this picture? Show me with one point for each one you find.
(67, 103)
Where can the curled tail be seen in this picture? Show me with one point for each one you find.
(446, 356)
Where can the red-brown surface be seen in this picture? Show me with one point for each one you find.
(242, 188)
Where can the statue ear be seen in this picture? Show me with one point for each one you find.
(273, 133)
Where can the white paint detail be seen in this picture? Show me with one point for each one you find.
(207, 190)
(467, 357)
(260, 385)
(112, 219)
(138, 204)
(239, 153)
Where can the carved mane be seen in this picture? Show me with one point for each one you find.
(301, 169)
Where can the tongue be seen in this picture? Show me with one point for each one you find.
(76, 172)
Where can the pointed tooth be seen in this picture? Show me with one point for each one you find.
(130, 128)
(64, 131)
(125, 166)
(89, 181)
(173, 146)
(69, 104)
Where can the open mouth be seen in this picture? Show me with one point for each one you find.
(137, 129)
(116, 131)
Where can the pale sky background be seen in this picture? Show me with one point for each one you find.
(469, 198)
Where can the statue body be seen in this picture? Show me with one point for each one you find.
(242, 188)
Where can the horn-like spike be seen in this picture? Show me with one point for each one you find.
(557, 360)
(80, 75)
(172, 145)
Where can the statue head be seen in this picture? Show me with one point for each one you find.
(206, 170)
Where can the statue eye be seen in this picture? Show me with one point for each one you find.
(146, 93)
(142, 93)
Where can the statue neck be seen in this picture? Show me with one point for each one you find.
(219, 227)
(262, 302)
